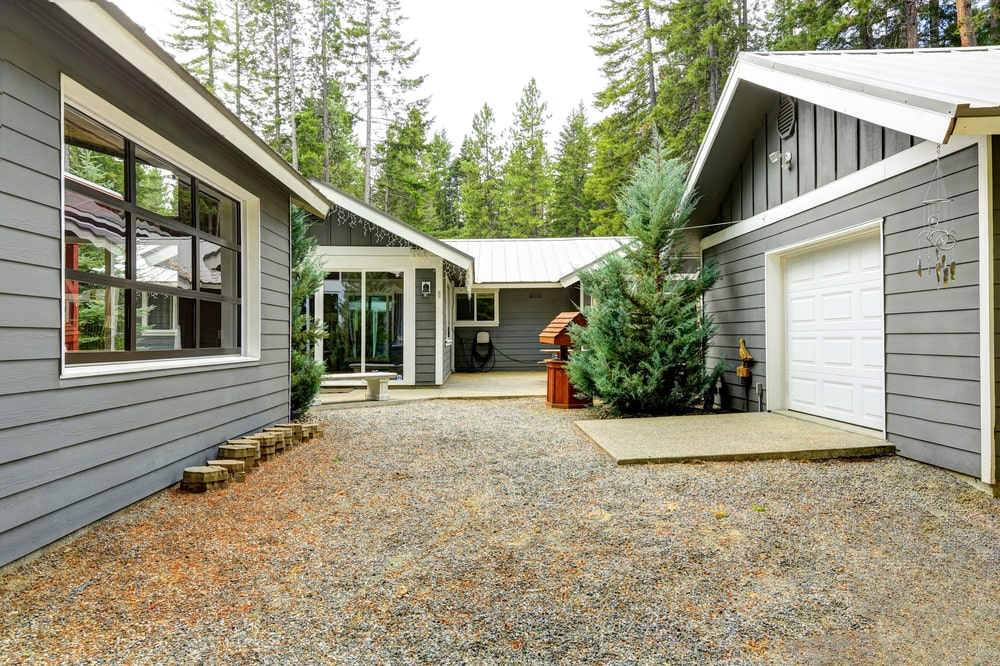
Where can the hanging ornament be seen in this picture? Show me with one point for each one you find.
(937, 236)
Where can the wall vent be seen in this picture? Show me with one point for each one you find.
(786, 117)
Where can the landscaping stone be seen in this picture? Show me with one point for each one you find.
(234, 467)
(204, 478)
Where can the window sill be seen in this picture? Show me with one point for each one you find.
(108, 369)
(477, 324)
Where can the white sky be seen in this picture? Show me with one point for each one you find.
(477, 52)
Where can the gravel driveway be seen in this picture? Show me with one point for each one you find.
(493, 532)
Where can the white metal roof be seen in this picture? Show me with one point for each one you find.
(535, 260)
(932, 94)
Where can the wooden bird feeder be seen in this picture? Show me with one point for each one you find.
(559, 392)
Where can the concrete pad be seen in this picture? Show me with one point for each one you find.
(751, 436)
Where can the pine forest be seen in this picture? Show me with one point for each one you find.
(333, 86)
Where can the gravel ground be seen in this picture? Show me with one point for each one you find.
(484, 532)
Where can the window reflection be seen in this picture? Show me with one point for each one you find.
(95, 317)
(161, 187)
(163, 255)
(95, 236)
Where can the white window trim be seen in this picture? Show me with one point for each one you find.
(469, 323)
(85, 100)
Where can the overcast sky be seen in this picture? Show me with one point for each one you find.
(478, 52)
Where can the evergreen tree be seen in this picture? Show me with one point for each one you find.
(442, 186)
(527, 174)
(570, 208)
(381, 59)
(628, 40)
(702, 38)
(481, 164)
(331, 153)
(401, 186)
(642, 350)
(202, 34)
(307, 279)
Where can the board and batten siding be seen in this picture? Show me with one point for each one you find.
(73, 450)
(931, 334)
(524, 313)
(825, 146)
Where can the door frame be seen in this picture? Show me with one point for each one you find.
(774, 306)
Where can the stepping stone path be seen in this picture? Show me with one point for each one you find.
(238, 457)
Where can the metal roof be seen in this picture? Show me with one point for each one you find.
(932, 94)
(535, 260)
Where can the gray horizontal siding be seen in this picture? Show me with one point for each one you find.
(931, 334)
(524, 313)
(77, 449)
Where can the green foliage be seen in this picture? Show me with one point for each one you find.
(570, 214)
(527, 177)
(401, 186)
(642, 351)
(203, 35)
(307, 278)
(481, 162)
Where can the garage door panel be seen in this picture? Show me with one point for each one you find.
(837, 307)
(838, 352)
(834, 324)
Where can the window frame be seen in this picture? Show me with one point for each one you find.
(246, 280)
(476, 294)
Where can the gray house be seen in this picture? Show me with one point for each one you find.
(520, 285)
(399, 300)
(144, 270)
(849, 199)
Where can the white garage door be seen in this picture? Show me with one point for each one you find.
(834, 344)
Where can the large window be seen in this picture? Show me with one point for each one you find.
(152, 255)
(364, 319)
(478, 308)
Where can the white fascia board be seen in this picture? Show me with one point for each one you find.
(394, 226)
(494, 286)
(892, 166)
(714, 126)
(929, 124)
(187, 92)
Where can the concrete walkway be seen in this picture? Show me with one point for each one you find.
(749, 436)
(479, 385)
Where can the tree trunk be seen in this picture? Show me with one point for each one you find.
(650, 71)
(934, 9)
(713, 77)
(910, 9)
(966, 30)
(369, 56)
(238, 56)
(293, 130)
(325, 99)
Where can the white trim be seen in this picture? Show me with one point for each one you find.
(497, 286)
(394, 226)
(923, 122)
(188, 93)
(987, 326)
(907, 160)
(82, 98)
(774, 304)
(470, 323)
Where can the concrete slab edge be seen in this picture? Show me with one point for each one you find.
(806, 454)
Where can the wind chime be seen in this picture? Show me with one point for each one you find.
(937, 237)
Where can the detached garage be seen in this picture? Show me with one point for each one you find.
(858, 305)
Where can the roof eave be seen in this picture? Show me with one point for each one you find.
(392, 225)
(116, 30)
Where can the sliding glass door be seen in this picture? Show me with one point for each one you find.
(365, 323)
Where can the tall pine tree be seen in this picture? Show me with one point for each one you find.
(570, 208)
(527, 173)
